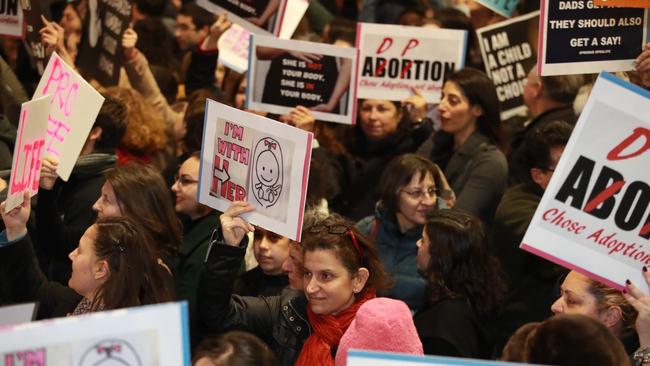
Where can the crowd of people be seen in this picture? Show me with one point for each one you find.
(413, 216)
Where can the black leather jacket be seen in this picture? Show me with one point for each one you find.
(281, 321)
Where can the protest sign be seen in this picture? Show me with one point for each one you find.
(293, 12)
(33, 24)
(140, 336)
(28, 151)
(256, 16)
(373, 358)
(100, 49)
(594, 215)
(12, 21)
(624, 3)
(509, 52)
(502, 7)
(259, 160)
(394, 59)
(286, 73)
(75, 105)
(578, 37)
(17, 314)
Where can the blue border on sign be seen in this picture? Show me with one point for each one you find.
(427, 359)
(627, 85)
(185, 328)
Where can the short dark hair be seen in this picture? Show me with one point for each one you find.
(537, 145)
(461, 265)
(399, 172)
(236, 348)
(112, 120)
(154, 8)
(200, 17)
(562, 88)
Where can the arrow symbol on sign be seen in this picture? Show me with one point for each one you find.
(222, 174)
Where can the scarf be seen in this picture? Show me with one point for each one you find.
(85, 306)
(328, 330)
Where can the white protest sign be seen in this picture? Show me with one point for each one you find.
(233, 48)
(394, 59)
(262, 161)
(286, 73)
(12, 20)
(75, 105)
(143, 336)
(577, 37)
(509, 51)
(373, 358)
(17, 314)
(28, 151)
(292, 14)
(594, 216)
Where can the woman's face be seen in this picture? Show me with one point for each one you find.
(293, 266)
(271, 251)
(575, 297)
(329, 286)
(70, 21)
(88, 272)
(423, 256)
(415, 199)
(378, 118)
(457, 115)
(107, 204)
(185, 189)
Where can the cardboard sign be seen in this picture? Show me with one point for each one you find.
(293, 12)
(594, 216)
(17, 314)
(509, 52)
(394, 59)
(12, 21)
(256, 159)
(28, 151)
(624, 3)
(373, 358)
(142, 336)
(100, 50)
(75, 105)
(256, 16)
(287, 73)
(33, 24)
(502, 7)
(577, 37)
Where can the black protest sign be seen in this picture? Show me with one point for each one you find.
(33, 24)
(579, 37)
(12, 23)
(100, 51)
(509, 52)
(257, 16)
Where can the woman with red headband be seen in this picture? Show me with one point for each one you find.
(341, 271)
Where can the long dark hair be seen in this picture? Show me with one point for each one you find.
(461, 265)
(135, 276)
(480, 90)
(143, 197)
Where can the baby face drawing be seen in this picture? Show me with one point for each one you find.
(267, 181)
(267, 168)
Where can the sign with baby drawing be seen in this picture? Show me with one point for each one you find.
(246, 157)
(594, 216)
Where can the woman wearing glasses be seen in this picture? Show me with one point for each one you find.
(410, 186)
(341, 271)
(465, 286)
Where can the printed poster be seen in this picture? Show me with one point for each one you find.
(246, 157)
(624, 3)
(287, 73)
(595, 214)
(28, 151)
(12, 21)
(577, 37)
(509, 51)
(142, 336)
(74, 108)
(501, 7)
(394, 59)
(374, 358)
(33, 24)
(256, 16)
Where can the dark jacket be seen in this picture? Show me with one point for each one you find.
(371, 157)
(7, 141)
(23, 281)
(398, 252)
(532, 280)
(187, 271)
(64, 213)
(257, 283)
(281, 321)
(449, 327)
(477, 172)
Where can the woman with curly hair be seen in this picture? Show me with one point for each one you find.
(465, 286)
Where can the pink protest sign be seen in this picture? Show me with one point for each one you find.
(75, 105)
(28, 151)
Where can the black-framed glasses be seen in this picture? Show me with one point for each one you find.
(184, 180)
